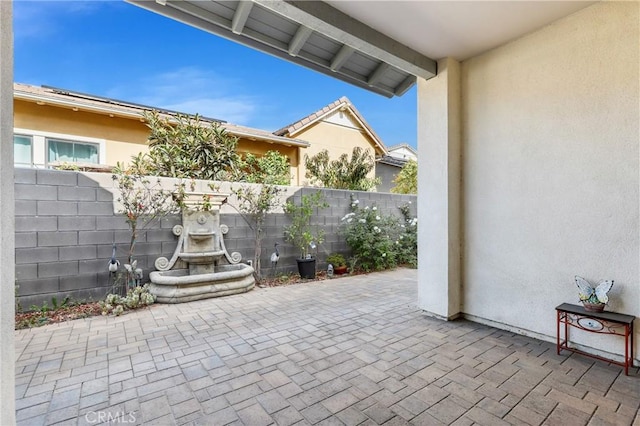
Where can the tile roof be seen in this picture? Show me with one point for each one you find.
(392, 161)
(295, 127)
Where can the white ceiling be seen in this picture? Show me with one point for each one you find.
(457, 29)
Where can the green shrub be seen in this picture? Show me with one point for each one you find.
(371, 238)
(337, 260)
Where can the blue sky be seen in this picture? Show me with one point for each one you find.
(118, 50)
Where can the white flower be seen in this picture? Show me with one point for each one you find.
(401, 237)
(355, 202)
(374, 208)
(362, 220)
(347, 216)
(401, 226)
(366, 208)
(398, 242)
(349, 220)
(376, 230)
(377, 217)
(384, 254)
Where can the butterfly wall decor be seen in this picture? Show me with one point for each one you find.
(589, 294)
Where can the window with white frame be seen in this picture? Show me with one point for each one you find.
(36, 148)
(22, 150)
(66, 151)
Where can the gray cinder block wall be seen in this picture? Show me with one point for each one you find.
(66, 223)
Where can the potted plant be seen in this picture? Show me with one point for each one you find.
(301, 234)
(338, 262)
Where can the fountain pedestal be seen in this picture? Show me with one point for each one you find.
(201, 247)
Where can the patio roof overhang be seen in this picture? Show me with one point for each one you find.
(310, 33)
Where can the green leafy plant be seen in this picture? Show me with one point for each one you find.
(337, 260)
(186, 147)
(44, 308)
(371, 237)
(406, 182)
(344, 173)
(301, 233)
(56, 305)
(255, 202)
(272, 168)
(407, 239)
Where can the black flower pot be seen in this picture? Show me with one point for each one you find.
(307, 268)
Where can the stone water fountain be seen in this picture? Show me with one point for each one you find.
(201, 247)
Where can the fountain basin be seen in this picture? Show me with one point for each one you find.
(177, 286)
(202, 258)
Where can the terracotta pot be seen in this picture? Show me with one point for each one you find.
(593, 307)
(340, 270)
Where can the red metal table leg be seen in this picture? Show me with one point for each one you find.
(558, 332)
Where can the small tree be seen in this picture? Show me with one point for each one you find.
(255, 204)
(406, 182)
(187, 148)
(143, 202)
(300, 233)
(343, 173)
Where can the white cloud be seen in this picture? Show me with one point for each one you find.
(192, 90)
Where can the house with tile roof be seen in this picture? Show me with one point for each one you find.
(338, 127)
(53, 125)
(403, 151)
(388, 167)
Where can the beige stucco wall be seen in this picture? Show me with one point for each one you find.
(122, 137)
(335, 138)
(551, 170)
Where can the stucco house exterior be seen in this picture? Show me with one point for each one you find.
(54, 125)
(338, 127)
(403, 151)
(388, 166)
(58, 125)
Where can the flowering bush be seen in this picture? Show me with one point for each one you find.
(371, 237)
(407, 242)
(378, 241)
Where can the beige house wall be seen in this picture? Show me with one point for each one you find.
(122, 137)
(337, 139)
(551, 171)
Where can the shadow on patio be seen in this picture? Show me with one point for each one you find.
(349, 351)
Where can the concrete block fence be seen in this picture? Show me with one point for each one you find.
(66, 223)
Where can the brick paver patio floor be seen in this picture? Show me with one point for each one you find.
(347, 351)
